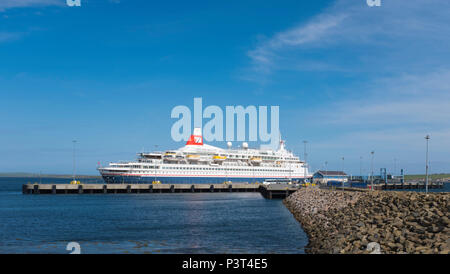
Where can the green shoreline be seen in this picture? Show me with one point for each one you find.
(431, 176)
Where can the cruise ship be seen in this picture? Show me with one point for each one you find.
(197, 162)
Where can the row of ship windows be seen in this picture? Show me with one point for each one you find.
(256, 171)
(262, 157)
(196, 168)
(211, 168)
(224, 169)
(230, 169)
(145, 167)
(251, 156)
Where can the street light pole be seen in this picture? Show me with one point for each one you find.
(426, 168)
(154, 162)
(343, 179)
(304, 152)
(360, 166)
(395, 166)
(371, 176)
(73, 155)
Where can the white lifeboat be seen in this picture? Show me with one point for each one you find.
(170, 156)
(219, 158)
(193, 157)
(256, 160)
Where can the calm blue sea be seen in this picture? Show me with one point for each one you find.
(144, 223)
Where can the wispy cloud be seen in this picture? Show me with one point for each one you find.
(7, 4)
(400, 49)
(9, 36)
(266, 54)
(398, 27)
(407, 100)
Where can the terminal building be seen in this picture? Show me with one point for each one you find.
(329, 177)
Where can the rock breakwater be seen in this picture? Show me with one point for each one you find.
(347, 221)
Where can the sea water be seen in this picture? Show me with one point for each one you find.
(144, 223)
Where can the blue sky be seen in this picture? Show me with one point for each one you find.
(348, 78)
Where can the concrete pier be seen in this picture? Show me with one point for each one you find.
(276, 191)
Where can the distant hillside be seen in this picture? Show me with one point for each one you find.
(34, 175)
(431, 176)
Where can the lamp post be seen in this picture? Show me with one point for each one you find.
(304, 153)
(426, 166)
(360, 166)
(371, 167)
(395, 166)
(73, 155)
(343, 179)
(154, 162)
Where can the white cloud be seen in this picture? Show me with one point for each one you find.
(9, 36)
(7, 4)
(405, 101)
(265, 53)
(377, 35)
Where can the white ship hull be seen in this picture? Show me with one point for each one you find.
(205, 176)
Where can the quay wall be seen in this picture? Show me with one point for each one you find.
(350, 221)
(276, 191)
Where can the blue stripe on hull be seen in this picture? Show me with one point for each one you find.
(179, 180)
